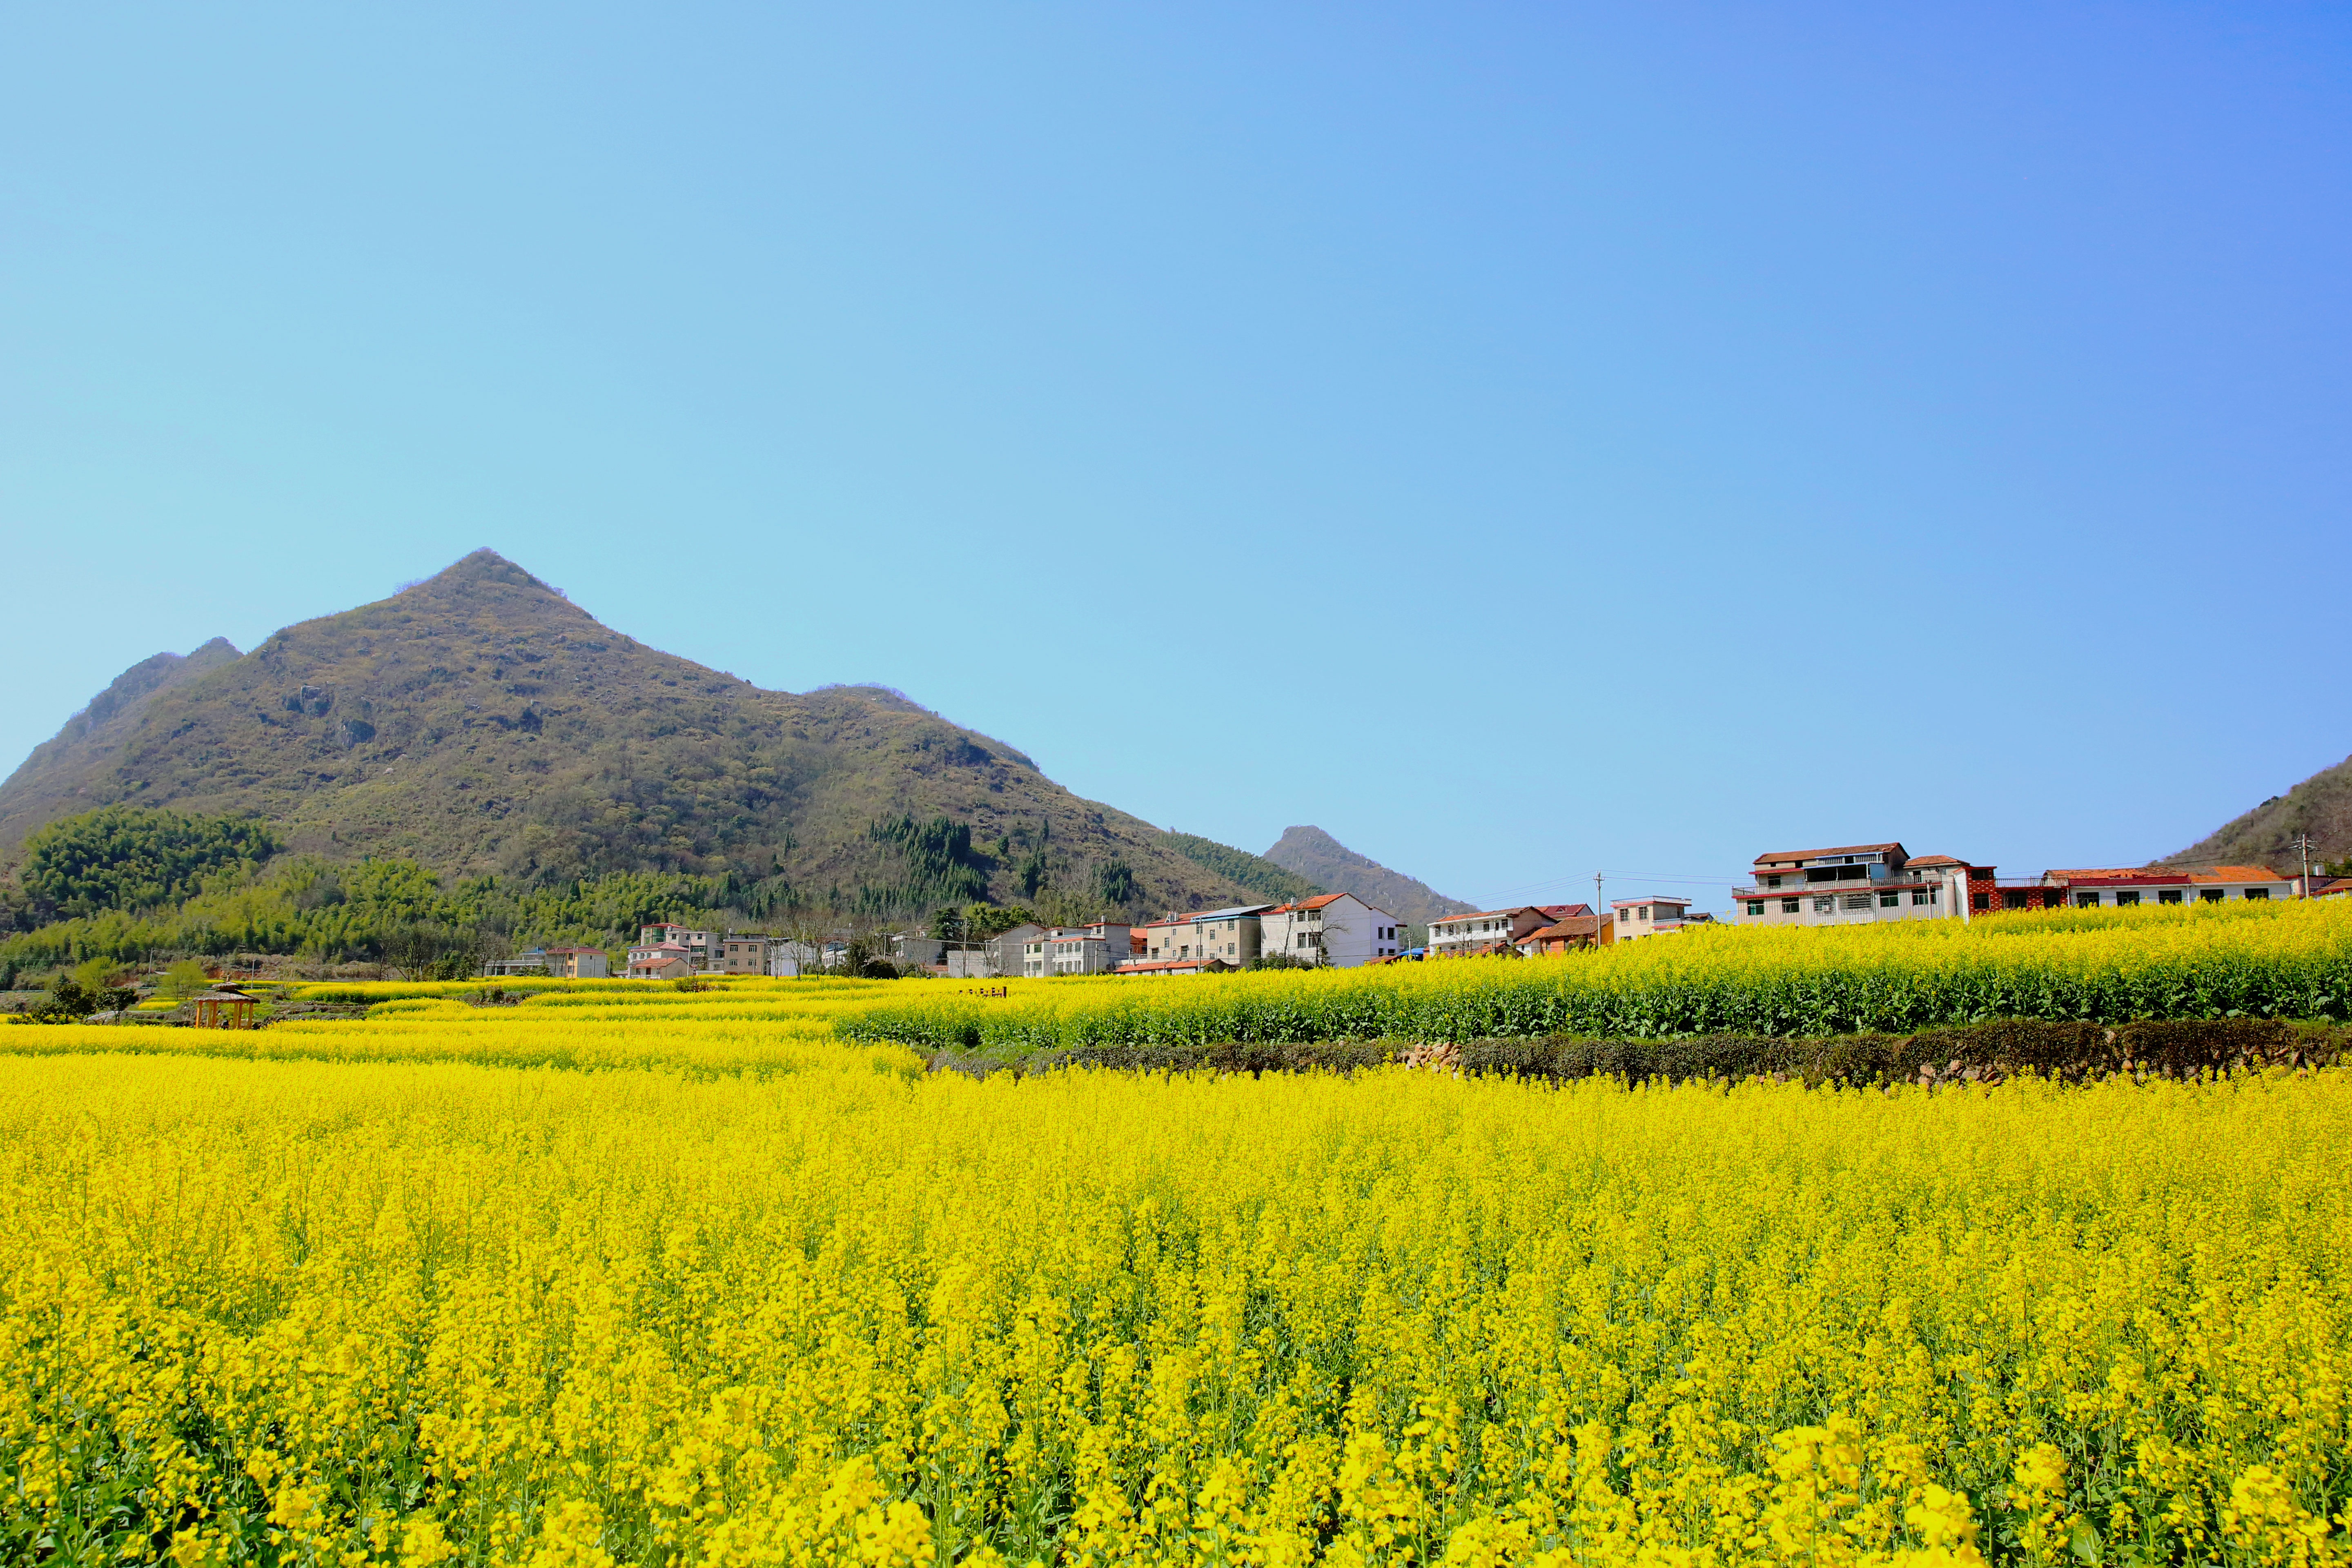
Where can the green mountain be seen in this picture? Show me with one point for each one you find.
(2321, 806)
(54, 781)
(1311, 853)
(479, 723)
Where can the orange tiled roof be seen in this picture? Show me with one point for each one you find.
(2235, 873)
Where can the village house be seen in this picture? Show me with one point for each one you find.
(660, 961)
(1483, 931)
(1232, 934)
(1149, 969)
(695, 944)
(560, 963)
(1098, 948)
(1335, 929)
(1569, 934)
(745, 953)
(2122, 887)
(1654, 915)
(1856, 883)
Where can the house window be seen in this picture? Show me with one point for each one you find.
(2087, 900)
(2255, 893)
(1890, 900)
(1857, 900)
(2127, 896)
(1755, 906)
(1791, 906)
(1920, 895)
(2168, 895)
(1978, 901)
(2014, 899)
(1824, 904)
(2209, 895)
(1771, 881)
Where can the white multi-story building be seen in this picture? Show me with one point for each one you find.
(1336, 928)
(1851, 884)
(1484, 930)
(1096, 949)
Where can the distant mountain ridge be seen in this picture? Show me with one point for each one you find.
(1311, 853)
(2321, 806)
(478, 721)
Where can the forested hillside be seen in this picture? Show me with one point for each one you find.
(2321, 806)
(54, 781)
(480, 725)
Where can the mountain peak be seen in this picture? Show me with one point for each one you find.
(483, 565)
(1309, 851)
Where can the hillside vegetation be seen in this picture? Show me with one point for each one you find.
(1311, 853)
(2321, 806)
(479, 725)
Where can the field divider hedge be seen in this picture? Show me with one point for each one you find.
(1975, 1053)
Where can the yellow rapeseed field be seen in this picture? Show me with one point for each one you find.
(359, 1309)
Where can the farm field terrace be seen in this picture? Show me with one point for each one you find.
(2290, 960)
(308, 1311)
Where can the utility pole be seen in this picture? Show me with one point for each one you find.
(2303, 847)
(1596, 911)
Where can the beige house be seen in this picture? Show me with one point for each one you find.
(1230, 934)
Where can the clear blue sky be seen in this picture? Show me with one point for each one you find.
(1520, 438)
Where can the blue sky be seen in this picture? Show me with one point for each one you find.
(1522, 439)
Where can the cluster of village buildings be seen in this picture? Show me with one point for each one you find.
(1843, 885)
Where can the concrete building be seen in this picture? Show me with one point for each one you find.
(696, 944)
(2123, 886)
(1335, 929)
(1002, 953)
(578, 963)
(1850, 884)
(1230, 934)
(1657, 915)
(1483, 931)
(923, 952)
(660, 961)
(1096, 949)
(744, 952)
(1164, 968)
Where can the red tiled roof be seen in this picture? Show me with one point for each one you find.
(1574, 925)
(1562, 911)
(1933, 860)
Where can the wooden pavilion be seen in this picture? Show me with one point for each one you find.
(223, 1007)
